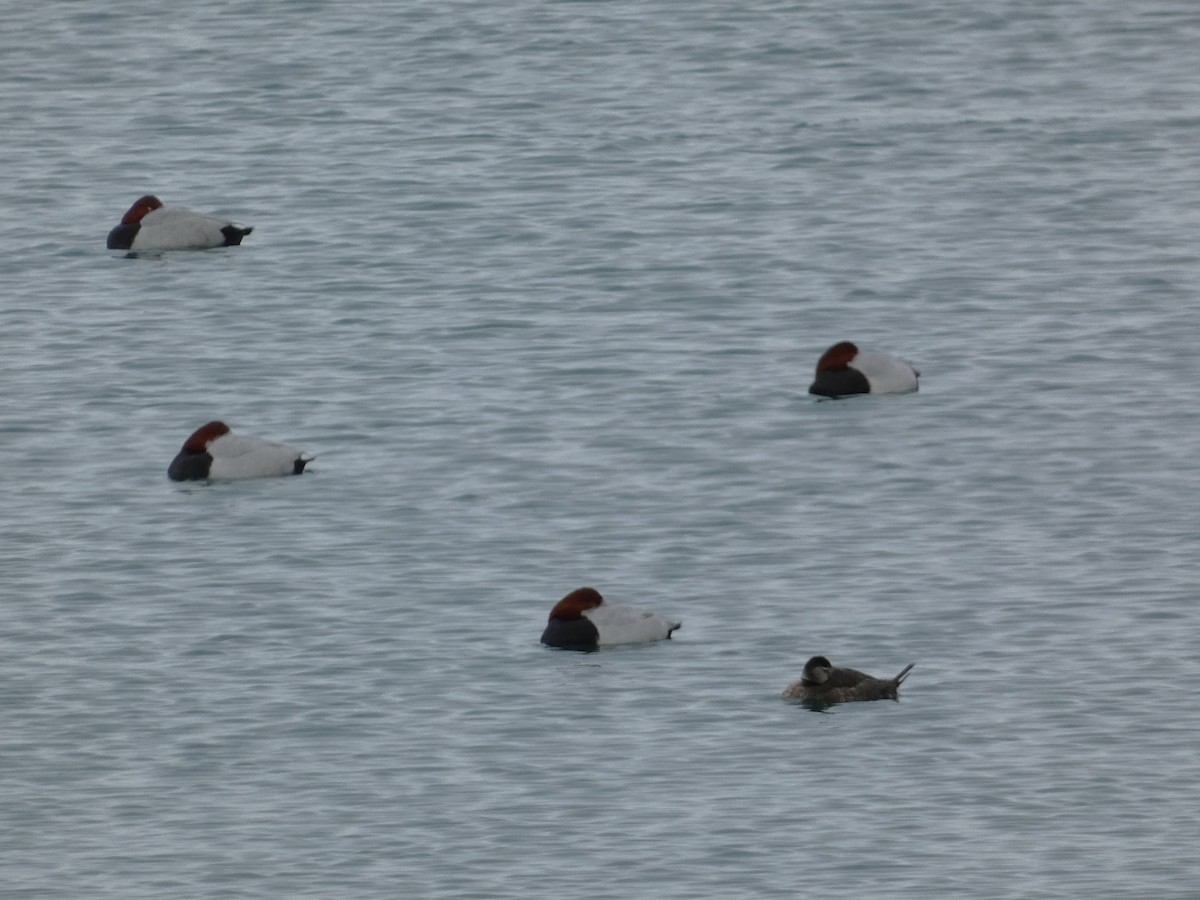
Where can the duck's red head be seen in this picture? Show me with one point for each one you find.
(141, 206)
(837, 357)
(203, 436)
(574, 605)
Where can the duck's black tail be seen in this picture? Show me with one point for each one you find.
(234, 234)
(899, 679)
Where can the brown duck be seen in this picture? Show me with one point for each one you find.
(822, 682)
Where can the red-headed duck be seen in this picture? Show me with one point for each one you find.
(844, 369)
(148, 225)
(582, 620)
(822, 682)
(213, 451)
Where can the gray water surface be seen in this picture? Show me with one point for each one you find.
(542, 285)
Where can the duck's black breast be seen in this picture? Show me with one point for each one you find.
(121, 237)
(840, 383)
(571, 634)
(190, 467)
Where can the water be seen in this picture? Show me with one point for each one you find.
(542, 285)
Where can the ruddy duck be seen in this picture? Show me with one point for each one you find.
(822, 682)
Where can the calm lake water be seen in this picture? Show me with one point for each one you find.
(542, 285)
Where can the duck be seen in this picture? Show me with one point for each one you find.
(844, 369)
(148, 225)
(584, 620)
(823, 682)
(215, 452)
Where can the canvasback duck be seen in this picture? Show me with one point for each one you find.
(821, 682)
(213, 451)
(582, 620)
(148, 225)
(844, 369)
